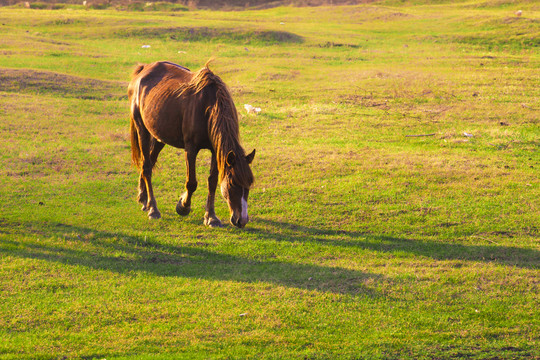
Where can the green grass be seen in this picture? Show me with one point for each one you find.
(364, 243)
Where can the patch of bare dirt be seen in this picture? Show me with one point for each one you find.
(203, 33)
(279, 76)
(46, 82)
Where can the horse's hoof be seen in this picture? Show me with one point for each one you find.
(144, 208)
(154, 214)
(215, 224)
(212, 222)
(182, 210)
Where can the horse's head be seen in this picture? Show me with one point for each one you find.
(235, 186)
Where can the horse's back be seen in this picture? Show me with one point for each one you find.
(175, 65)
(153, 96)
(158, 73)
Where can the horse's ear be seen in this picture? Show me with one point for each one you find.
(249, 158)
(231, 159)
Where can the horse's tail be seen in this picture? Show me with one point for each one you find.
(135, 148)
(137, 70)
(133, 94)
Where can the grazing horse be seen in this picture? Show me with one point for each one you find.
(190, 110)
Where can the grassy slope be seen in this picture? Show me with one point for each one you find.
(363, 242)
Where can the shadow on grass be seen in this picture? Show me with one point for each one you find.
(438, 250)
(125, 254)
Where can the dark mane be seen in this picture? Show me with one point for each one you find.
(223, 129)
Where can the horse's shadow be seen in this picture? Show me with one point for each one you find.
(437, 250)
(127, 254)
(138, 254)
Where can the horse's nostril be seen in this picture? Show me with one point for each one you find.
(239, 222)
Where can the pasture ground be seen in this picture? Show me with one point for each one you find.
(366, 240)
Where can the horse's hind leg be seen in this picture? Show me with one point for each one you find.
(155, 149)
(184, 204)
(149, 146)
(142, 196)
(210, 217)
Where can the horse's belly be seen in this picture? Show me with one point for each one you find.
(172, 141)
(167, 132)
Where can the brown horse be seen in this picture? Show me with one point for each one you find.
(190, 110)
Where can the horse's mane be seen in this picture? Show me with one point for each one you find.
(223, 128)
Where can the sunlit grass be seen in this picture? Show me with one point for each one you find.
(394, 214)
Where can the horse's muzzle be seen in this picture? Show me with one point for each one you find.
(239, 222)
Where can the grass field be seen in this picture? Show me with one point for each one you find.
(396, 208)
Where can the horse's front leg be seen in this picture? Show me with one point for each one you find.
(210, 217)
(184, 204)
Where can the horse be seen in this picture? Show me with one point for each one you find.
(170, 105)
